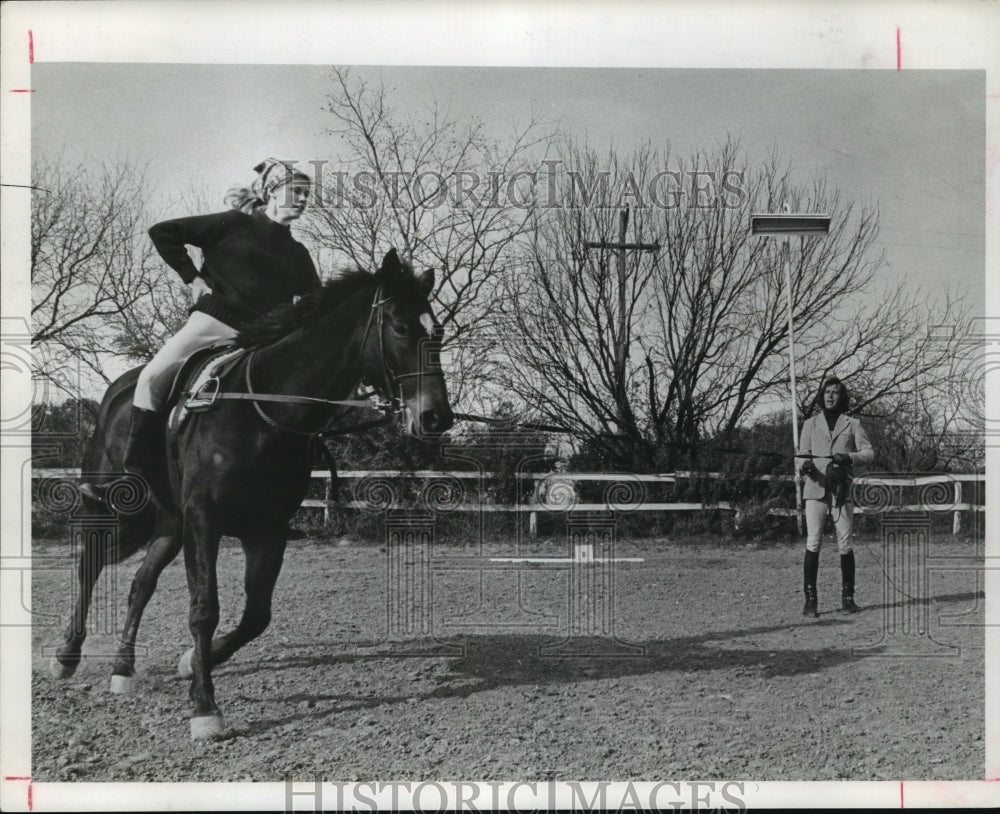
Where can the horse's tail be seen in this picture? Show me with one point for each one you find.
(104, 449)
(102, 461)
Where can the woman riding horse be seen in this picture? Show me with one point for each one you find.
(241, 467)
(251, 264)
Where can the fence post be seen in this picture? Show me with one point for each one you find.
(956, 523)
(533, 516)
(328, 496)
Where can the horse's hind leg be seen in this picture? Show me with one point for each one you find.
(91, 562)
(101, 546)
(264, 556)
(161, 553)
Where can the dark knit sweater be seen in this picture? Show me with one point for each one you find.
(252, 263)
(831, 417)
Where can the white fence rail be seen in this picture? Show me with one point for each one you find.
(568, 503)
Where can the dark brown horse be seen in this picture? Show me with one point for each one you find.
(242, 467)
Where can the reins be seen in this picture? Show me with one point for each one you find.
(507, 424)
(391, 406)
(257, 398)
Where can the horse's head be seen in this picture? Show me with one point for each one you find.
(403, 346)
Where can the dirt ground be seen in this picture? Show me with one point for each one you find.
(711, 671)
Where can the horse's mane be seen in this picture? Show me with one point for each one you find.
(284, 319)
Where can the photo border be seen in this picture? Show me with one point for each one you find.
(881, 36)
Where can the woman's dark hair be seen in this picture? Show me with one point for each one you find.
(845, 398)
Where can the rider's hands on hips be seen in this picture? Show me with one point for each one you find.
(199, 288)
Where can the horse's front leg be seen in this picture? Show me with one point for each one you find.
(201, 551)
(265, 553)
(160, 554)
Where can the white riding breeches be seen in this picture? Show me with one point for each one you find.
(200, 331)
(843, 521)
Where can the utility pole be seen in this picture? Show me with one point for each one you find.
(621, 248)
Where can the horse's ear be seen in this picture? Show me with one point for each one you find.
(425, 280)
(390, 264)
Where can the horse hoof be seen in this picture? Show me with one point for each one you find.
(122, 685)
(206, 726)
(60, 670)
(184, 669)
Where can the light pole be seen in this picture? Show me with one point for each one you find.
(786, 225)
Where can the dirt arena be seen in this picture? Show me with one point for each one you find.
(711, 671)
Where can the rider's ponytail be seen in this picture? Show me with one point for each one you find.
(243, 199)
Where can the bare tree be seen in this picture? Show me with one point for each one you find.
(705, 319)
(565, 310)
(445, 194)
(141, 330)
(91, 264)
(935, 421)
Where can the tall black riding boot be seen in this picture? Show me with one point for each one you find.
(144, 457)
(146, 452)
(847, 590)
(810, 568)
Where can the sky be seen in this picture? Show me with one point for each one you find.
(911, 142)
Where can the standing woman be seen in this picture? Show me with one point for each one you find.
(837, 441)
(251, 265)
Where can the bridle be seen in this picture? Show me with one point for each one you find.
(390, 404)
(390, 379)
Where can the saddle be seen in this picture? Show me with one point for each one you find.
(197, 380)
